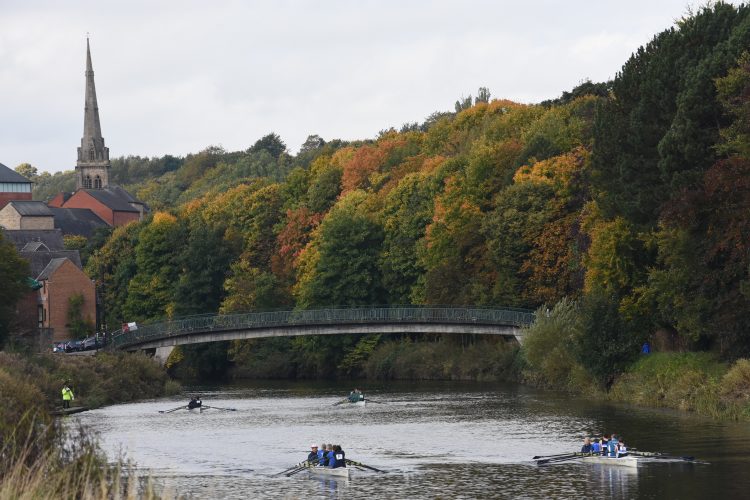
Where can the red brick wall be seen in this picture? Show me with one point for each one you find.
(6, 197)
(65, 282)
(81, 199)
(122, 218)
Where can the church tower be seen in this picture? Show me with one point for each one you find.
(92, 167)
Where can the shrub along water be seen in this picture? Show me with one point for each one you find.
(41, 459)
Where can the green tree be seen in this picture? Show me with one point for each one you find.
(13, 274)
(27, 170)
(271, 143)
(346, 271)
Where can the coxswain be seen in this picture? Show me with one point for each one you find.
(339, 458)
(67, 395)
(622, 450)
(195, 403)
(312, 457)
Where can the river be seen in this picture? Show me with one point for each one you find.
(435, 440)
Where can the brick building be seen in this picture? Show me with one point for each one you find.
(13, 186)
(61, 281)
(43, 312)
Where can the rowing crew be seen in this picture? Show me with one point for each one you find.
(611, 446)
(328, 455)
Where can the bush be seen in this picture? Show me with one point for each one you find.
(549, 349)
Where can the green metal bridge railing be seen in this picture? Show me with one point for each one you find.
(331, 316)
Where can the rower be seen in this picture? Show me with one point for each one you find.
(612, 446)
(356, 395)
(195, 402)
(324, 455)
(321, 453)
(339, 458)
(330, 455)
(596, 448)
(605, 442)
(312, 457)
(586, 448)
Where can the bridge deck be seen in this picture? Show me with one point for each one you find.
(211, 328)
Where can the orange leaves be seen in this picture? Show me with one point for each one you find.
(367, 160)
(293, 238)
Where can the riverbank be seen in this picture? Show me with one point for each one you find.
(39, 457)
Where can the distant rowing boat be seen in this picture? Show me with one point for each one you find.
(339, 472)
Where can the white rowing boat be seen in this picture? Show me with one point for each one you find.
(359, 403)
(626, 461)
(339, 472)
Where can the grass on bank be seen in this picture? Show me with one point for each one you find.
(42, 459)
(694, 381)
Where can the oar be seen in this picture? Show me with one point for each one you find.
(306, 465)
(301, 464)
(358, 464)
(173, 409)
(217, 408)
(376, 402)
(340, 402)
(550, 456)
(560, 458)
(660, 456)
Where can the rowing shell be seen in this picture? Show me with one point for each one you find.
(339, 472)
(359, 403)
(628, 461)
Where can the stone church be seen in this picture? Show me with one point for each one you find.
(37, 228)
(113, 204)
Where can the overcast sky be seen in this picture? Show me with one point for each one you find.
(177, 76)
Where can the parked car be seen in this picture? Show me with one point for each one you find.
(58, 347)
(90, 343)
(74, 346)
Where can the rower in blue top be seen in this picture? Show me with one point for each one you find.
(612, 446)
(339, 458)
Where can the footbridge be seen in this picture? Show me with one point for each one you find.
(163, 336)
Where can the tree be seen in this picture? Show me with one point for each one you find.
(483, 95)
(345, 272)
(27, 170)
(271, 143)
(13, 273)
(312, 143)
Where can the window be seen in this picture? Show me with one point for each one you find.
(97, 182)
(92, 154)
(87, 182)
(40, 316)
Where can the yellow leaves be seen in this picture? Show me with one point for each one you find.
(557, 172)
(164, 218)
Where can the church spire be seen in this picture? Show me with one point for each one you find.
(92, 167)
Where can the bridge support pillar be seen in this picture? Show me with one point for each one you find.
(162, 354)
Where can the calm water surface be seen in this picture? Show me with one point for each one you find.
(435, 440)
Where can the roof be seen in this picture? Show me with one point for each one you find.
(9, 175)
(53, 238)
(50, 268)
(116, 199)
(81, 221)
(35, 246)
(39, 261)
(31, 208)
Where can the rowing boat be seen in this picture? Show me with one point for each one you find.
(627, 461)
(358, 403)
(339, 472)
